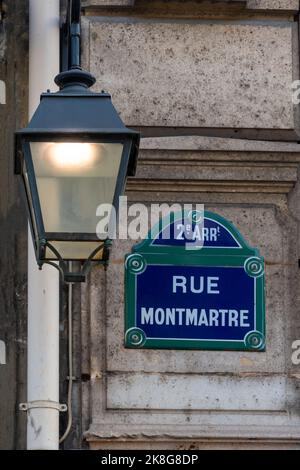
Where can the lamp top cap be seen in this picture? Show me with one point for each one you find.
(74, 79)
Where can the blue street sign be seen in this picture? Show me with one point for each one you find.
(201, 288)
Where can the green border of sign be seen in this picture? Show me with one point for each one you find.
(145, 254)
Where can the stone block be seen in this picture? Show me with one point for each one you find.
(100, 3)
(165, 74)
(251, 4)
(292, 5)
(186, 392)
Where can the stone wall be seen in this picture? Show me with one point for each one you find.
(195, 75)
(178, 71)
(13, 233)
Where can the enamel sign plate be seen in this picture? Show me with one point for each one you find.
(194, 283)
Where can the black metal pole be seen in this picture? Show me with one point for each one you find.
(71, 37)
(75, 33)
(75, 46)
(71, 72)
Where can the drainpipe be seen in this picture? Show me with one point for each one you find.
(43, 286)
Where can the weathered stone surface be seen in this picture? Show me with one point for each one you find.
(13, 234)
(93, 3)
(2, 353)
(188, 165)
(198, 395)
(195, 392)
(273, 4)
(255, 4)
(170, 444)
(2, 92)
(170, 72)
(2, 44)
(195, 75)
(194, 143)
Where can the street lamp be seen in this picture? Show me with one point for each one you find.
(74, 155)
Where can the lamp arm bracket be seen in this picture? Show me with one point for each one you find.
(70, 37)
(62, 266)
(75, 11)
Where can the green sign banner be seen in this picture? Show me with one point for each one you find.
(194, 283)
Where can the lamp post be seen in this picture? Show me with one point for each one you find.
(75, 154)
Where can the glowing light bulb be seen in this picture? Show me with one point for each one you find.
(72, 155)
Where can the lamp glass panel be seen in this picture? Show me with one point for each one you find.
(73, 179)
(30, 201)
(74, 250)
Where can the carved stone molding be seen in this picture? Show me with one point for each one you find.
(268, 5)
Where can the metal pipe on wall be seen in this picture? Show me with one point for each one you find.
(43, 286)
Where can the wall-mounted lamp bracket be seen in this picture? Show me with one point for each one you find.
(70, 37)
(63, 267)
